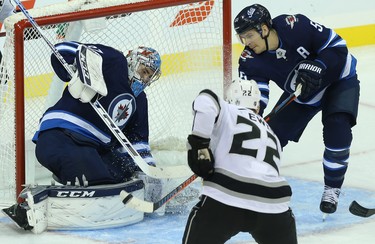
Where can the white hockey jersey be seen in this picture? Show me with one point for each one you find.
(247, 156)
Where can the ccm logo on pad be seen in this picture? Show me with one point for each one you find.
(75, 194)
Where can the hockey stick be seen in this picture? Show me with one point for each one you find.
(285, 103)
(358, 210)
(148, 207)
(155, 172)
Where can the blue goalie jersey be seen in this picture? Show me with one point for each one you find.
(130, 113)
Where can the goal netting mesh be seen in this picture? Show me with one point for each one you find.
(187, 34)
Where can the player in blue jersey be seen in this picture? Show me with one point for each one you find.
(72, 141)
(292, 50)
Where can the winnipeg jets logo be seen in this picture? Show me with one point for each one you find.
(121, 109)
(250, 12)
(290, 20)
(122, 112)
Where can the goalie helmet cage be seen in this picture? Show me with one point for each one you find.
(193, 38)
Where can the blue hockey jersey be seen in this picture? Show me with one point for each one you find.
(299, 39)
(128, 112)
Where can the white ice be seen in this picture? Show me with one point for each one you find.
(302, 166)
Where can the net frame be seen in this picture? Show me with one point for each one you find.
(22, 24)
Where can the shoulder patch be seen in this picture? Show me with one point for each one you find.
(291, 20)
(245, 54)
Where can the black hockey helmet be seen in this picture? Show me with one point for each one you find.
(252, 17)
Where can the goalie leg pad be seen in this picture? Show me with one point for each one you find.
(37, 214)
(76, 207)
(89, 208)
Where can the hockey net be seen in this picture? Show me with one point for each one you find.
(193, 38)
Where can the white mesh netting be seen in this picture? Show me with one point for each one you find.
(189, 37)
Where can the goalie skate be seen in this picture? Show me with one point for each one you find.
(17, 213)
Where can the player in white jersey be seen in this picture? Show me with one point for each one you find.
(238, 156)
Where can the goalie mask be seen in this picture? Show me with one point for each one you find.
(143, 67)
(244, 93)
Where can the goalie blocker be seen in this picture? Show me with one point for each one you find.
(75, 207)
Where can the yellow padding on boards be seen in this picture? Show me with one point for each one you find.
(194, 60)
(354, 37)
(358, 35)
(204, 59)
(36, 86)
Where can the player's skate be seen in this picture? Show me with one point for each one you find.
(329, 200)
(17, 213)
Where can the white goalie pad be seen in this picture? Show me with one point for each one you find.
(6, 10)
(88, 79)
(81, 208)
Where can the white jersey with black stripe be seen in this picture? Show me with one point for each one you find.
(247, 156)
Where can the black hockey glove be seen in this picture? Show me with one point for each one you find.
(309, 74)
(200, 158)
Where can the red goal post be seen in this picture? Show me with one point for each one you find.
(193, 38)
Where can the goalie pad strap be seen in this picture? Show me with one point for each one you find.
(127, 198)
(39, 193)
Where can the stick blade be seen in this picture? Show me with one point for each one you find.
(135, 203)
(358, 210)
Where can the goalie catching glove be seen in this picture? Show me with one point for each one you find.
(200, 158)
(309, 75)
(88, 80)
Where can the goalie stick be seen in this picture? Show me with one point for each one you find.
(155, 172)
(148, 207)
(285, 103)
(358, 210)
